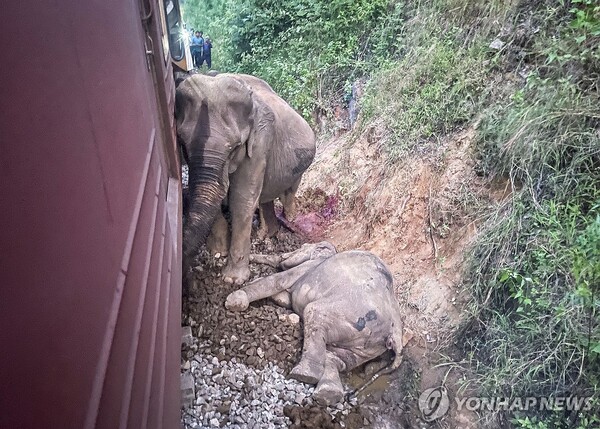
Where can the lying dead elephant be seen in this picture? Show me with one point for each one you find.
(347, 303)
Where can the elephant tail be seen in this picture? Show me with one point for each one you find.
(394, 342)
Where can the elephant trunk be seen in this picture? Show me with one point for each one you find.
(206, 192)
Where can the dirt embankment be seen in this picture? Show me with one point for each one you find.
(419, 216)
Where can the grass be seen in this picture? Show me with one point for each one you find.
(434, 89)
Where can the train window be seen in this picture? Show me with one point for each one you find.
(175, 29)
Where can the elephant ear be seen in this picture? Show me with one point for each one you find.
(238, 110)
(263, 126)
(324, 249)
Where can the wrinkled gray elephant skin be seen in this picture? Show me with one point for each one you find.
(245, 147)
(348, 306)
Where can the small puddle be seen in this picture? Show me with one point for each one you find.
(374, 389)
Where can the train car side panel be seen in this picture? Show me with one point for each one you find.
(90, 237)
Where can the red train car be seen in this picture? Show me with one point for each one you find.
(90, 226)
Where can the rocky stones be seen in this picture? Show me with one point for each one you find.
(188, 394)
(294, 319)
(186, 336)
(240, 394)
(240, 335)
(496, 44)
(185, 174)
(290, 319)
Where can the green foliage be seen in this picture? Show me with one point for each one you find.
(574, 47)
(557, 420)
(313, 48)
(535, 269)
(308, 50)
(436, 80)
(586, 18)
(208, 16)
(432, 90)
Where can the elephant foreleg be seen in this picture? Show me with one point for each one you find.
(244, 192)
(269, 226)
(264, 288)
(288, 200)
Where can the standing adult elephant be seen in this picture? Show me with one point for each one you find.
(245, 146)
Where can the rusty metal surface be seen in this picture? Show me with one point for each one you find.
(89, 240)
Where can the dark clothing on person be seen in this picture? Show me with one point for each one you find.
(207, 48)
(198, 59)
(206, 54)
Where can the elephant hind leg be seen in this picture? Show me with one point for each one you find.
(330, 389)
(269, 225)
(311, 367)
(288, 199)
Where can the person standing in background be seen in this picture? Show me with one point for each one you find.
(196, 49)
(206, 52)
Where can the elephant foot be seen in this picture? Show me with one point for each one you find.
(307, 372)
(269, 225)
(237, 301)
(189, 282)
(220, 253)
(218, 240)
(272, 231)
(215, 246)
(236, 275)
(328, 392)
(262, 233)
(265, 232)
(283, 299)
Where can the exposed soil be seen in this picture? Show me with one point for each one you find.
(420, 218)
